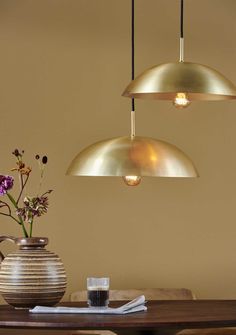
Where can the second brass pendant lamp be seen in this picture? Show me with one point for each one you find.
(181, 82)
(132, 157)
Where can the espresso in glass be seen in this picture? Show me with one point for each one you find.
(98, 297)
(98, 292)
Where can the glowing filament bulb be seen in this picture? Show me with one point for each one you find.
(132, 180)
(181, 100)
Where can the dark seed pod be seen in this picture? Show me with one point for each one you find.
(44, 160)
(16, 152)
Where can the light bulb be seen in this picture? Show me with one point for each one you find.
(132, 180)
(181, 100)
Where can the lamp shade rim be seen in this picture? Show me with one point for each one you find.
(164, 81)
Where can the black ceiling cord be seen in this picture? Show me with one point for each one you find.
(132, 47)
(181, 18)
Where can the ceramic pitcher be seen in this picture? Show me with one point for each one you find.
(31, 275)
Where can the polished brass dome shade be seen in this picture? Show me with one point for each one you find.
(181, 82)
(127, 156)
(164, 81)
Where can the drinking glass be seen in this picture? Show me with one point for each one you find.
(98, 292)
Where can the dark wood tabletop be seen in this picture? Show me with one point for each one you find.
(160, 315)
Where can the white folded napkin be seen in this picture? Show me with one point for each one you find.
(135, 305)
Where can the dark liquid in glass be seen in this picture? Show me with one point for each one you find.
(98, 298)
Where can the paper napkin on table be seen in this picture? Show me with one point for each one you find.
(135, 305)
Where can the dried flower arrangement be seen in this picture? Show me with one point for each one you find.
(24, 209)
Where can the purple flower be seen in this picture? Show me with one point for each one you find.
(6, 183)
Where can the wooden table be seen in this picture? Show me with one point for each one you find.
(161, 315)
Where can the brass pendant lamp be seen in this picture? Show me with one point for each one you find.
(181, 82)
(132, 157)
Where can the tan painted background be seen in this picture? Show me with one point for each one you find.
(63, 66)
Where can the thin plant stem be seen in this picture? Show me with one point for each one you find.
(23, 226)
(9, 212)
(20, 222)
(20, 218)
(41, 176)
(22, 188)
(24, 230)
(48, 192)
(10, 217)
(31, 227)
(6, 204)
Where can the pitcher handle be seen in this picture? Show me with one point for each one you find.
(5, 238)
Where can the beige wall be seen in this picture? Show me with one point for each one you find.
(63, 66)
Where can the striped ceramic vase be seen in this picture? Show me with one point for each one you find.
(31, 275)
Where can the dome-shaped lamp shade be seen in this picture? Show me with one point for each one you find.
(164, 81)
(124, 156)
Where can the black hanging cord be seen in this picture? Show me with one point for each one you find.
(181, 18)
(132, 47)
